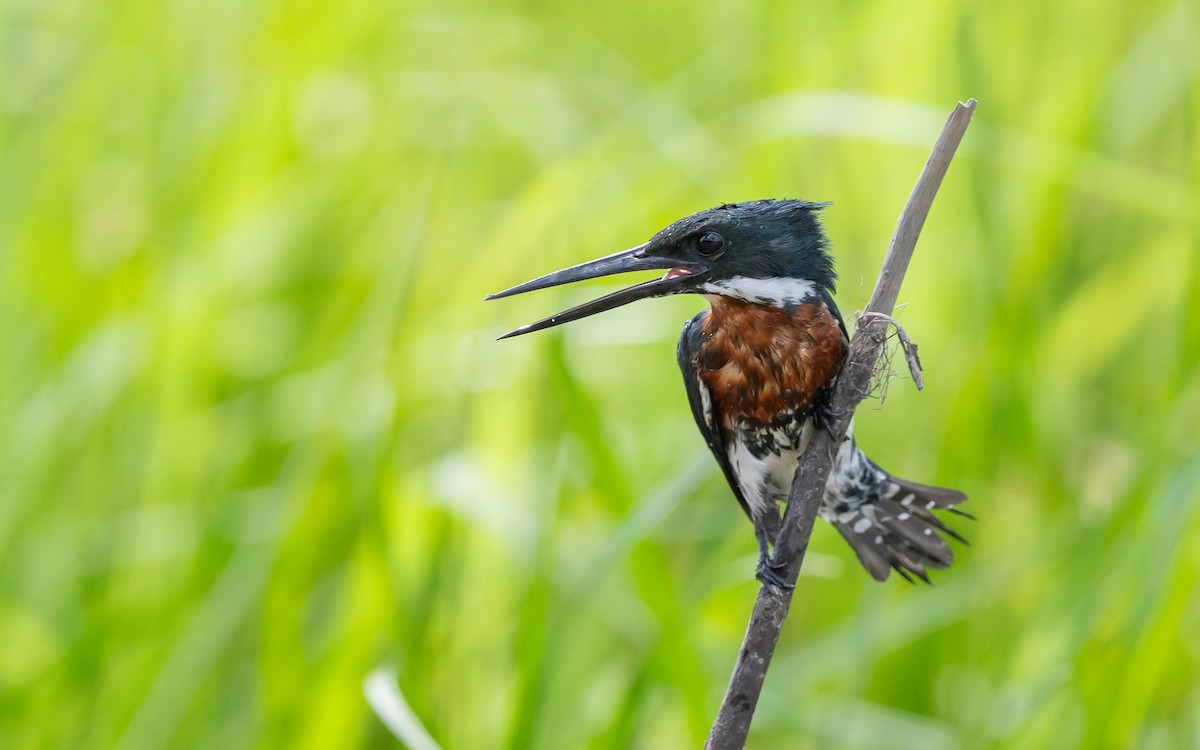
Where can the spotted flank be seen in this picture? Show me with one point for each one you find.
(888, 521)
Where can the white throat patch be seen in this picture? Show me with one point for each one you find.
(774, 291)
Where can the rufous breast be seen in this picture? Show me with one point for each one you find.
(759, 361)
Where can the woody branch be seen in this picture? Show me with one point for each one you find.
(732, 723)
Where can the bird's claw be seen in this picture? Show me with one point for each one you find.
(768, 572)
(825, 415)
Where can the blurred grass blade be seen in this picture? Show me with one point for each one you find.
(382, 690)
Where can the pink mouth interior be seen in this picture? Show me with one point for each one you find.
(675, 273)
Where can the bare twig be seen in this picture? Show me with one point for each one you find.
(808, 487)
(907, 345)
(911, 357)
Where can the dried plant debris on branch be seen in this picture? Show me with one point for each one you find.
(883, 372)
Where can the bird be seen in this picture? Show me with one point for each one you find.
(759, 365)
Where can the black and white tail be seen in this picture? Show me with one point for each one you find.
(888, 521)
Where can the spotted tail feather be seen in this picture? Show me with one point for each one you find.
(892, 526)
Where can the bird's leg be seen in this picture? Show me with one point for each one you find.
(768, 571)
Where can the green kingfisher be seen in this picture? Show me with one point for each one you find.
(759, 365)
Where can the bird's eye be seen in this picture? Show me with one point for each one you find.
(710, 243)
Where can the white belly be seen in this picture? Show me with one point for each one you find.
(766, 480)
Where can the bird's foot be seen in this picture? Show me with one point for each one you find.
(825, 415)
(769, 573)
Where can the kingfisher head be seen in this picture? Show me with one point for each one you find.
(770, 252)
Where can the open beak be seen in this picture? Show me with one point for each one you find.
(679, 278)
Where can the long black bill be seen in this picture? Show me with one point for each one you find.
(635, 259)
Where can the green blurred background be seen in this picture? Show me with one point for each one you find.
(258, 440)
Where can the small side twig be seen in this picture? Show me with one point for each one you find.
(732, 724)
(907, 345)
